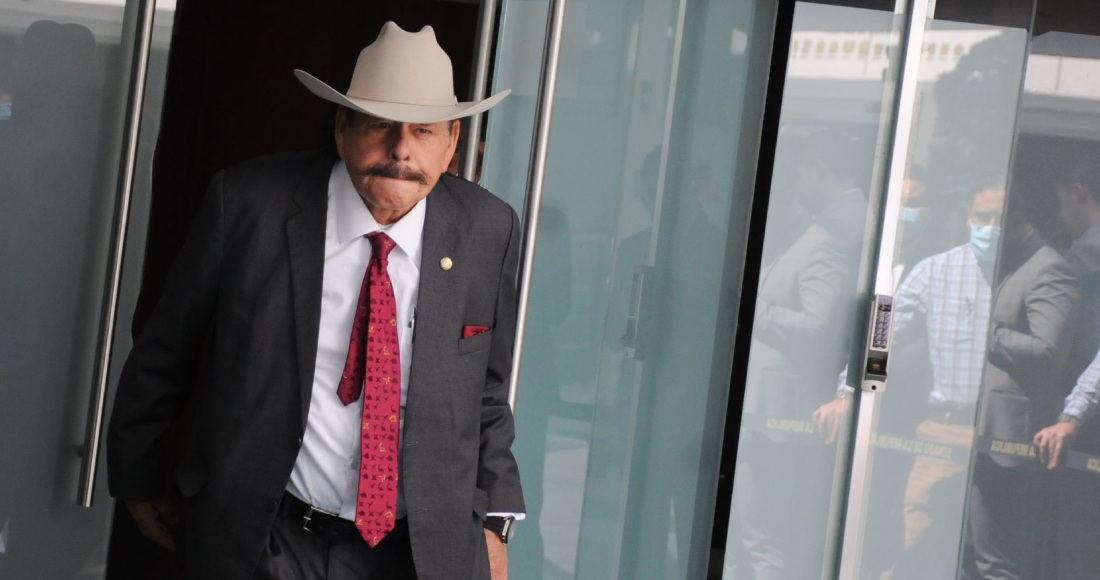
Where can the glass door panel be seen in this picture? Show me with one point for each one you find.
(628, 354)
(64, 84)
(1037, 450)
(792, 456)
(955, 350)
(983, 458)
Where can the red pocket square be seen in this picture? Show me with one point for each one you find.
(468, 331)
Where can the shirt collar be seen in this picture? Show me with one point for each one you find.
(354, 220)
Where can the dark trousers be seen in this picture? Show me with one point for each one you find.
(1000, 528)
(293, 553)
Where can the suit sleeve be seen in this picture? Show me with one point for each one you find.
(822, 297)
(498, 474)
(160, 370)
(1051, 304)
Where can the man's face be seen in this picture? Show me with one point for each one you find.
(987, 208)
(1073, 208)
(912, 193)
(394, 165)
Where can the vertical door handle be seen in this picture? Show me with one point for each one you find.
(536, 178)
(478, 86)
(98, 400)
(916, 13)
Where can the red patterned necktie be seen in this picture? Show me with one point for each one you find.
(373, 368)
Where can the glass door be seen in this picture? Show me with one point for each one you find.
(975, 453)
(633, 310)
(65, 85)
(985, 460)
(982, 307)
(921, 372)
(834, 130)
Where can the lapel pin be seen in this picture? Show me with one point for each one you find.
(446, 263)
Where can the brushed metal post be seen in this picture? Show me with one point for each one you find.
(859, 486)
(98, 401)
(479, 85)
(536, 178)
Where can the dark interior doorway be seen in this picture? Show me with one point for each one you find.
(231, 96)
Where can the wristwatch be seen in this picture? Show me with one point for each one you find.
(503, 526)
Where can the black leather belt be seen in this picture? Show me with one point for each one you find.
(325, 524)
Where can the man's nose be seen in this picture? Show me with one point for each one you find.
(399, 144)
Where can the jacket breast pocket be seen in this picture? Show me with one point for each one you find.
(475, 343)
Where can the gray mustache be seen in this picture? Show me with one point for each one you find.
(394, 171)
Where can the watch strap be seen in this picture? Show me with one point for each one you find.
(503, 526)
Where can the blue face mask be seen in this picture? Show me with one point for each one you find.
(984, 241)
(910, 215)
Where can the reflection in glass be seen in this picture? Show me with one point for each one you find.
(64, 70)
(634, 303)
(62, 88)
(793, 416)
(1040, 468)
(948, 285)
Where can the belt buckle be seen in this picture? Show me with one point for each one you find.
(306, 517)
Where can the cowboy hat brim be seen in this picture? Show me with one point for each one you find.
(400, 112)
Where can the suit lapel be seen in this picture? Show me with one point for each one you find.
(438, 287)
(306, 250)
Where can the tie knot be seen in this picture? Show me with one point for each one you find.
(380, 245)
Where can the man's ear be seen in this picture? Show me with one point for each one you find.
(456, 131)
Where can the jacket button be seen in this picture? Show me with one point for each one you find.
(271, 505)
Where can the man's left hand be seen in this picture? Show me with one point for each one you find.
(498, 556)
(830, 416)
(1054, 441)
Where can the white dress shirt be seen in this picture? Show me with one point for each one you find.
(326, 474)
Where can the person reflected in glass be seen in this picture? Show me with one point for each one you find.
(800, 343)
(942, 307)
(1034, 307)
(913, 225)
(913, 235)
(948, 299)
(1079, 209)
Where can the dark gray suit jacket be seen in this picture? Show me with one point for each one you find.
(1032, 319)
(805, 296)
(250, 275)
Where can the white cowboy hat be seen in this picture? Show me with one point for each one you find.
(404, 77)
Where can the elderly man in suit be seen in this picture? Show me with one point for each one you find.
(359, 316)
